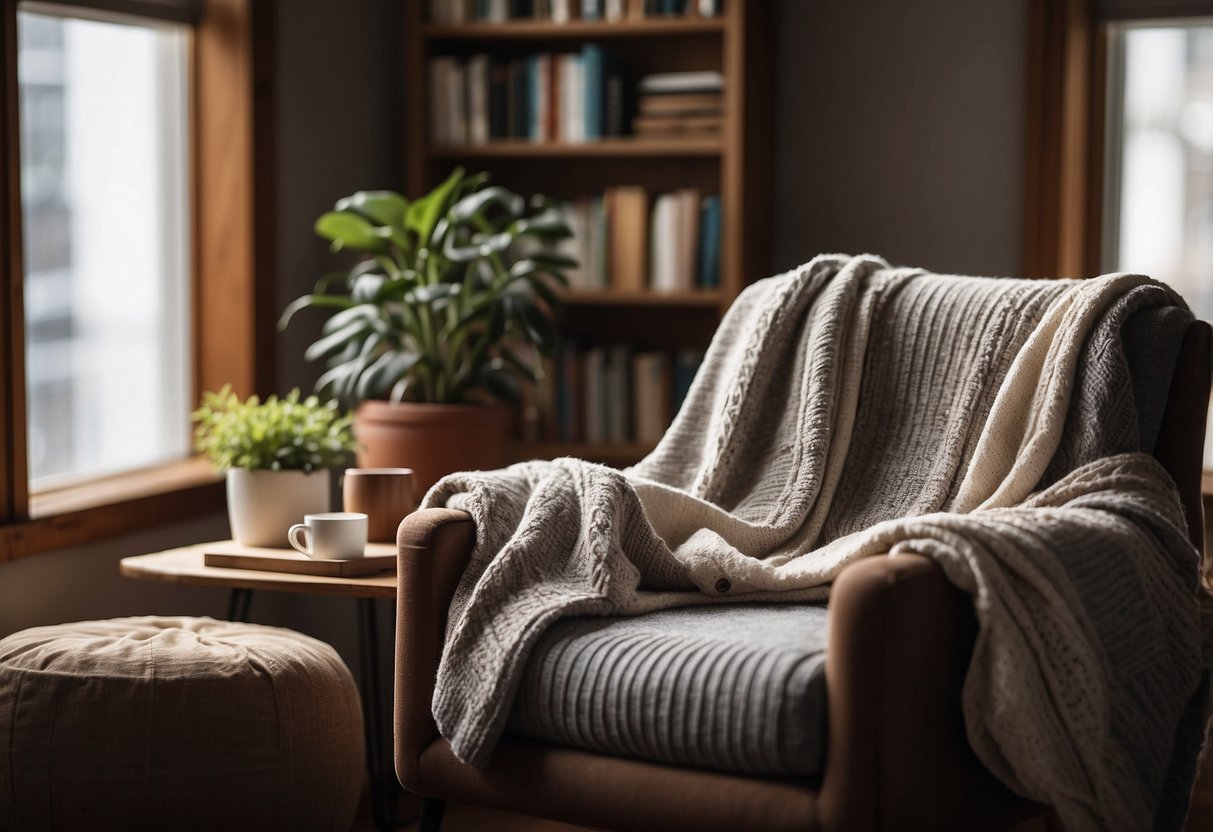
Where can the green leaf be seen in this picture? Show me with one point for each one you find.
(475, 204)
(547, 225)
(500, 381)
(386, 371)
(348, 230)
(422, 214)
(384, 207)
(354, 313)
(552, 260)
(341, 339)
(330, 301)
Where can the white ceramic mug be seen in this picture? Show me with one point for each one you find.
(333, 534)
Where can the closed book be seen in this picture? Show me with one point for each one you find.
(499, 100)
(593, 379)
(600, 245)
(591, 9)
(521, 9)
(679, 104)
(636, 8)
(651, 396)
(576, 215)
(677, 125)
(569, 394)
(618, 400)
(457, 111)
(707, 8)
(688, 237)
(682, 82)
(708, 264)
(438, 102)
(539, 97)
(686, 364)
(549, 383)
(615, 117)
(593, 90)
(562, 11)
(499, 11)
(614, 10)
(628, 211)
(520, 98)
(663, 266)
(478, 98)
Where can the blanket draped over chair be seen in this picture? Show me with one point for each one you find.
(848, 409)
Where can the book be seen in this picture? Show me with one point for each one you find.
(707, 274)
(651, 396)
(682, 82)
(593, 379)
(627, 210)
(477, 80)
(617, 388)
(664, 126)
(692, 103)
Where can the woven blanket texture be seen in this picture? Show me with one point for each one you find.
(848, 409)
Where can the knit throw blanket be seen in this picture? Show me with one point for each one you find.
(848, 409)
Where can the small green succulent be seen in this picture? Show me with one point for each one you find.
(278, 434)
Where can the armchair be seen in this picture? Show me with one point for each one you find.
(899, 640)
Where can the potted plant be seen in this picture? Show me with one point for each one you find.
(443, 318)
(276, 454)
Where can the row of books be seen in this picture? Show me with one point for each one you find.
(566, 97)
(674, 104)
(563, 11)
(626, 244)
(612, 393)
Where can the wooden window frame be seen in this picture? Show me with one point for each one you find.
(1067, 74)
(232, 315)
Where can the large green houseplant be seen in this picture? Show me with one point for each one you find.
(447, 310)
(276, 454)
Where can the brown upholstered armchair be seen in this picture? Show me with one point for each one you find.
(898, 645)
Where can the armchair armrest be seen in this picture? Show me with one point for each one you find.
(433, 550)
(900, 641)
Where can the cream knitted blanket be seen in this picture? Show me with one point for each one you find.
(849, 409)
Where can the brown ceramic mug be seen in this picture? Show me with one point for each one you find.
(384, 495)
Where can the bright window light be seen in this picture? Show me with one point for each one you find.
(1158, 183)
(105, 197)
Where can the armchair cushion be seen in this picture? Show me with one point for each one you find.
(738, 688)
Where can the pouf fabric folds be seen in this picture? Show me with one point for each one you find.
(158, 723)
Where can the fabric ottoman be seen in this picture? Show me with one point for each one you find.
(176, 723)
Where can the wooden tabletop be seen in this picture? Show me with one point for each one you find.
(185, 566)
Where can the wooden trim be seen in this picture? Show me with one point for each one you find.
(14, 487)
(170, 11)
(232, 320)
(1064, 141)
(114, 505)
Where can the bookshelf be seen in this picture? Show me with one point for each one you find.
(732, 162)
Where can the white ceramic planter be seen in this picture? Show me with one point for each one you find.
(262, 505)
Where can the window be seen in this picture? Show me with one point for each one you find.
(134, 213)
(105, 207)
(1158, 191)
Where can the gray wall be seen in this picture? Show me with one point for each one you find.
(900, 130)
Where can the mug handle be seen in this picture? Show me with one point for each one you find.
(292, 537)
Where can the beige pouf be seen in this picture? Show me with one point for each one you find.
(175, 724)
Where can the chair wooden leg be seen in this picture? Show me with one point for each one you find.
(431, 814)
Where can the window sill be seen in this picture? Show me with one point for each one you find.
(114, 505)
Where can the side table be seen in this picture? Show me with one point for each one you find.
(185, 566)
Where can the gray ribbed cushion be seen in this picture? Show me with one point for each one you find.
(736, 688)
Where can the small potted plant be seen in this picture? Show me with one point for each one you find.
(445, 316)
(276, 454)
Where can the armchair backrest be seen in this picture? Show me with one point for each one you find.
(1181, 439)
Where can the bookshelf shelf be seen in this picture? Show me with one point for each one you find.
(523, 149)
(699, 298)
(573, 30)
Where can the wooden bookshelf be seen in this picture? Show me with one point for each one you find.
(734, 164)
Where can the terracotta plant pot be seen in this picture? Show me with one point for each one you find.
(432, 439)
